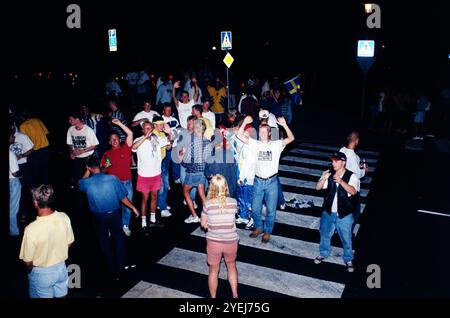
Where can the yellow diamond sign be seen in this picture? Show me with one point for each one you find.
(228, 60)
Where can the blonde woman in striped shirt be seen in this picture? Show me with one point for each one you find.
(218, 218)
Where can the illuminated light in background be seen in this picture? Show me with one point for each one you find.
(368, 7)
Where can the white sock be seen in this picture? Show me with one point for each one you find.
(144, 221)
(152, 217)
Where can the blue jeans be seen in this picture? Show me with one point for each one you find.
(126, 212)
(176, 170)
(245, 194)
(106, 223)
(330, 222)
(162, 194)
(15, 189)
(280, 200)
(267, 191)
(48, 282)
(182, 177)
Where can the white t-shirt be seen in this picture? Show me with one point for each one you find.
(21, 145)
(149, 116)
(267, 156)
(13, 165)
(352, 162)
(82, 139)
(211, 117)
(149, 156)
(247, 165)
(184, 111)
(354, 182)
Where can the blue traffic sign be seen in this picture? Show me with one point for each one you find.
(225, 40)
(366, 48)
(112, 40)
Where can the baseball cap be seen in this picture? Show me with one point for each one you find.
(339, 156)
(158, 120)
(263, 113)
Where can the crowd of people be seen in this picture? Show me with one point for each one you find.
(226, 160)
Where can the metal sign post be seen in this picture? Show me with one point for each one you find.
(226, 44)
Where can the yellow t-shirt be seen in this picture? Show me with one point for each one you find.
(216, 96)
(163, 149)
(46, 240)
(36, 130)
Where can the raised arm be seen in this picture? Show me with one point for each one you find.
(194, 80)
(325, 175)
(290, 136)
(127, 130)
(350, 189)
(240, 133)
(174, 90)
(138, 143)
(137, 122)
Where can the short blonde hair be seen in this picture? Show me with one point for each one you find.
(218, 190)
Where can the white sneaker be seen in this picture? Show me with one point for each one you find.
(192, 219)
(416, 138)
(283, 206)
(168, 207)
(184, 202)
(249, 224)
(165, 213)
(126, 230)
(240, 220)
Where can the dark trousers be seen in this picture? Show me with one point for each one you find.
(27, 210)
(357, 212)
(78, 168)
(110, 223)
(39, 161)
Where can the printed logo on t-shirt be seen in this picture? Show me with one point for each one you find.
(79, 142)
(265, 156)
(16, 148)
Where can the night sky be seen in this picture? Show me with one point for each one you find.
(315, 39)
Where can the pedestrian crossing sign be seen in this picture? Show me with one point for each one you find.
(366, 48)
(112, 40)
(225, 40)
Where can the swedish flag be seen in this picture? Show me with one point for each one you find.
(293, 87)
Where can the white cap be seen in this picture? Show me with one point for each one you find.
(263, 113)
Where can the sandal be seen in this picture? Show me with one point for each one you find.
(318, 260)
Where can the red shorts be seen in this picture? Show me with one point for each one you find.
(215, 250)
(148, 184)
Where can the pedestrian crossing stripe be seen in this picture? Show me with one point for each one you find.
(261, 277)
(294, 239)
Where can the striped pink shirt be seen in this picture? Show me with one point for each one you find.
(221, 222)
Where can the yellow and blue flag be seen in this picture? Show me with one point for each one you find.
(293, 87)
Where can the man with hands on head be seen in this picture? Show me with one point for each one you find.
(265, 187)
(184, 106)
